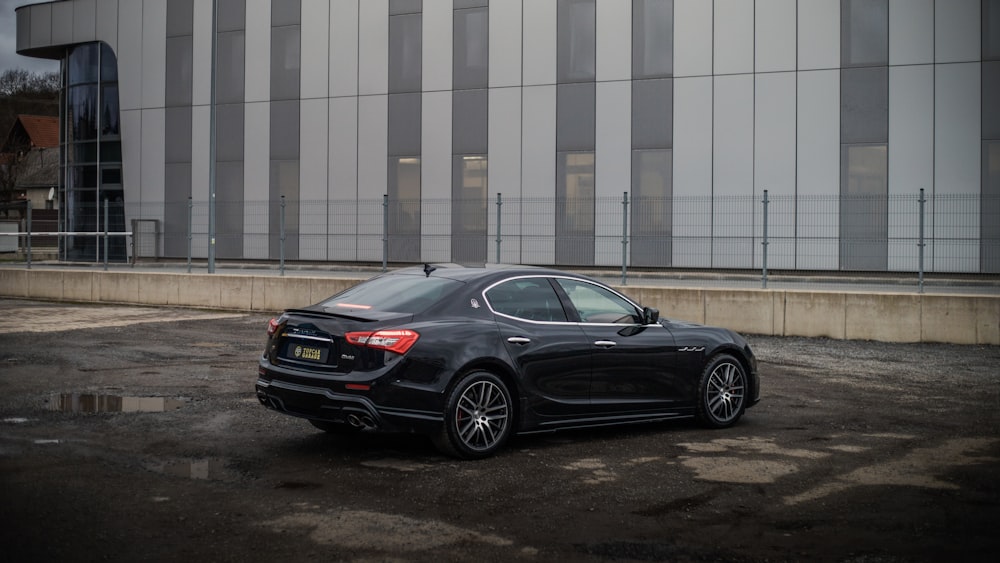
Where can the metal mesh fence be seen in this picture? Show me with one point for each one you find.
(741, 239)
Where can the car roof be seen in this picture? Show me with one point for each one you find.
(467, 273)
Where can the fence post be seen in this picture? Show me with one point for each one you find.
(190, 232)
(499, 238)
(281, 267)
(28, 224)
(385, 231)
(764, 244)
(624, 236)
(107, 203)
(921, 244)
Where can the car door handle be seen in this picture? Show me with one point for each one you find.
(605, 343)
(518, 340)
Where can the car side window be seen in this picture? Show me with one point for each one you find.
(598, 305)
(532, 299)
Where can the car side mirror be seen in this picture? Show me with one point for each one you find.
(650, 315)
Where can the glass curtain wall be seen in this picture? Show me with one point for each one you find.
(405, 104)
(652, 132)
(576, 106)
(91, 154)
(864, 135)
(470, 164)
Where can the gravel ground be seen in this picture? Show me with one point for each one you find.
(859, 451)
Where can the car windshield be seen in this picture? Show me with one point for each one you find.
(396, 293)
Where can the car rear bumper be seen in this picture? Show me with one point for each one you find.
(320, 403)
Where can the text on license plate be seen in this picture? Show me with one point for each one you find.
(307, 353)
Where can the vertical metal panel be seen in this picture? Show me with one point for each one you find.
(256, 66)
(613, 166)
(154, 53)
(504, 161)
(652, 116)
(614, 40)
(41, 25)
(343, 179)
(957, 129)
(23, 40)
(344, 48)
(652, 38)
(373, 122)
(201, 64)
(405, 48)
(774, 35)
(230, 67)
(256, 153)
(286, 61)
(178, 134)
(734, 36)
(538, 63)
(178, 71)
(991, 100)
(575, 116)
(864, 105)
(62, 23)
(285, 136)
(131, 123)
(911, 130)
(692, 183)
(152, 139)
(130, 54)
(232, 14)
(437, 38)
(315, 39)
(538, 173)
(84, 21)
(692, 38)
(819, 35)
(732, 171)
(957, 31)
(818, 175)
(911, 33)
(313, 174)
(373, 48)
(990, 212)
(107, 22)
(180, 17)
(864, 208)
(436, 175)
(505, 44)
(230, 132)
(576, 50)
(774, 134)
(286, 12)
(404, 124)
(471, 51)
(469, 124)
(864, 32)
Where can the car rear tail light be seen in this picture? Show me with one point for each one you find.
(272, 327)
(397, 341)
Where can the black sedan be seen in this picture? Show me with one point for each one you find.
(469, 356)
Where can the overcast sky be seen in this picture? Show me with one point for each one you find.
(8, 41)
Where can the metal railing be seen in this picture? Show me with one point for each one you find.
(898, 235)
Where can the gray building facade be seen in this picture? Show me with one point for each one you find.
(843, 110)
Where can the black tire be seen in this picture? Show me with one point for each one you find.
(336, 428)
(478, 419)
(722, 392)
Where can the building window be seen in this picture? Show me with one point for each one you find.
(404, 208)
(91, 143)
(469, 209)
(575, 208)
(652, 38)
(577, 39)
(864, 135)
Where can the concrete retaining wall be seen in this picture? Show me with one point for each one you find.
(888, 317)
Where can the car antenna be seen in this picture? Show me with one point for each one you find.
(428, 269)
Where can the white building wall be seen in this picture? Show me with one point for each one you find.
(692, 38)
(614, 40)
(373, 123)
(538, 65)
(130, 55)
(911, 157)
(313, 195)
(257, 52)
(538, 174)
(911, 33)
(612, 168)
(343, 179)
(84, 20)
(437, 35)
(344, 34)
(107, 23)
(315, 37)
(154, 53)
(818, 175)
(256, 169)
(732, 172)
(373, 47)
(774, 35)
(504, 172)
(957, 167)
(734, 36)
(775, 165)
(957, 31)
(505, 44)
(819, 34)
(692, 209)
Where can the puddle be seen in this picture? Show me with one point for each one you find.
(98, 403)
(15, 420)
(208, 469)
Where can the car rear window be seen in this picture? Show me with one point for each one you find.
(396, 293)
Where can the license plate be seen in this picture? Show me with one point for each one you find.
(307, 353)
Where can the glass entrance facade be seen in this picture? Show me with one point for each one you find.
(91, 154)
